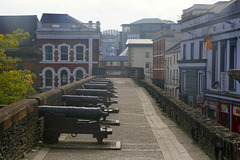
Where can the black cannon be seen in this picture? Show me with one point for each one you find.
(102, 94)
(74, 120)
(87, 101)
(76, 112)
(105, 95)
(98, 86)
(95, 82)
(102, 79)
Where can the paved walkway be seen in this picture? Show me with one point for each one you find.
(145, 133)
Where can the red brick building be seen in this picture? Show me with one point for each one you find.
(115, 65)
(162, 41)
(69, 49)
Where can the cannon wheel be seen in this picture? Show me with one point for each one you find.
(50, 137)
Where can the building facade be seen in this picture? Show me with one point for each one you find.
(115, 66)
(142, 29)
(171, 83)
(140, 54)
(162, 41)
(69, 49)
(209, 47)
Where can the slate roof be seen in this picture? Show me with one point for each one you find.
(152, 20)
(218, 7)
(58, 18)
(8, 24)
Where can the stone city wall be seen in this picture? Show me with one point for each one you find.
(215, 140)
(20, 125)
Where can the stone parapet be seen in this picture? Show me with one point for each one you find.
(214, 139)
(20, 125)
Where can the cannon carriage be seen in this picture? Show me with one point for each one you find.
(74, 120)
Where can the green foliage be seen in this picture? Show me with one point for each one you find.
(14, 84)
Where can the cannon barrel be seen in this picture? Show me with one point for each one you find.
(78, 98)
(73, 112)
(95, 92)
(95, 82)
(102, 80)
(98, 86)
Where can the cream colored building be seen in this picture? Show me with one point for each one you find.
(140, 54)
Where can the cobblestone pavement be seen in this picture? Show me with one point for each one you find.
(142, 133)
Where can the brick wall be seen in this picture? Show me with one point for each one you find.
(20, 125)
(209, 135)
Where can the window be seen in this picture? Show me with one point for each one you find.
(109, 63)
(223, 57)
(116, 63)
(147, 54)
(200, 49)
(232, 63)
(184, 51)
(48, 53)
(214, 65)
(201, 81)
(183, 81)
(64, 77)
(64, 52)
(79, 75)
(48, 78)
(79, 53)
(125, 63)
(192, 50)
(147, 65)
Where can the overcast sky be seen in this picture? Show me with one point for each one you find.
(110, 13)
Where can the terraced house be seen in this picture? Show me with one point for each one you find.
(69, 49)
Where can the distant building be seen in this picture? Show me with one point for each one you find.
(115, 65)
(171, 84)
(142, 29)
(69, 48)
(163, 41)
(140, 54)
(109, 43)
(28, 49)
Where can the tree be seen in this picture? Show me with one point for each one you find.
(14, 84)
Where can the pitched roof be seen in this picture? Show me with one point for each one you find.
(125, 52)
(218, 7)
(58, 18)
(8, 24)
(152, 20)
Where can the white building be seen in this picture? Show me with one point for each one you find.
(140, 54)
(172, 71)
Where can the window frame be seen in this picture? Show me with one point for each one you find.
(45, 54)
(83, 53)
(60, 52)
